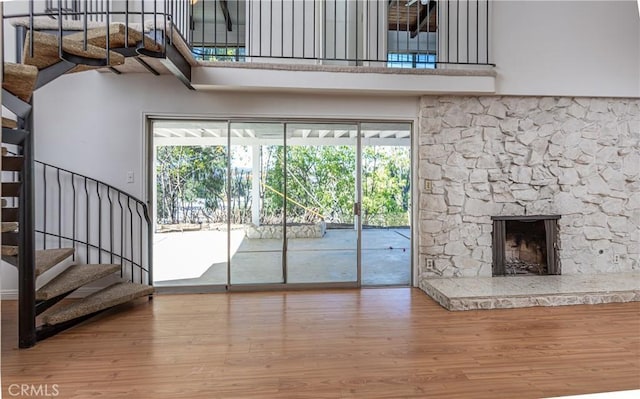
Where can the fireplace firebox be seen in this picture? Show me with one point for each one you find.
(525, 245)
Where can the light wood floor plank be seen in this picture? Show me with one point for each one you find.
(376, 343)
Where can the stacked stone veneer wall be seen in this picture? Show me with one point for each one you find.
(486, 156)
(270, 231)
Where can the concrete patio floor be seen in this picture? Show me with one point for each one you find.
(197, 258)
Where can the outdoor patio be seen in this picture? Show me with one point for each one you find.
(196, 258)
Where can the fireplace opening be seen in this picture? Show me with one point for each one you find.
(525, 245)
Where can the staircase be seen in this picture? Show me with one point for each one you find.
(98, 232)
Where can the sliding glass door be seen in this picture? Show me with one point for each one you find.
(386, 203)
(257, 202)
(262, 203)
(322, 229)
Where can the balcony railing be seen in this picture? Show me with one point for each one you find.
(391, 33)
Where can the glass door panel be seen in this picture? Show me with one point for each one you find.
(386, 203)
(256, 202)
(190, 185)
(322, 230)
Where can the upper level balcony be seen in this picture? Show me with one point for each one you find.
(402, 47)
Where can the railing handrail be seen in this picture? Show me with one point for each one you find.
(109, 247)
(139, 201)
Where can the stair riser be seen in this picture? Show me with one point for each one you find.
(11, 238)
(10, 190)
(12, 164)
(10, 214)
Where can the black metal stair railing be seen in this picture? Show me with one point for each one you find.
(154, 17)
(102, 223)
(389, 33)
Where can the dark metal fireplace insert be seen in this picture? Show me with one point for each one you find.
(525, 245)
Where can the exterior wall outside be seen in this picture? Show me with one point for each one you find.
(514, 156)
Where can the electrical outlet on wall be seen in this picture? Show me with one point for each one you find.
(616, 258)
(427, 186)
(430, 264)
(130, 177)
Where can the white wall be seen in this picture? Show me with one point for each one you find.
(575, 48)
(99, 130)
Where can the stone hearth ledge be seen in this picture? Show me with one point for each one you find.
(500, 292)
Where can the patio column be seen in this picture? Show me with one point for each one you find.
(255, 184)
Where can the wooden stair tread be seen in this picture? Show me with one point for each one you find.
(9, 226)
(9, 123)
(45, 258)
(74, 277)
(48, 258)
(20, 80)
(9, 250)
(108, 297)
(98, 37)
(46, 52)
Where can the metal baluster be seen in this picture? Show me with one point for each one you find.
(215, 28)
(397, 26)
(44, 204)
(155, 19)
(457, 31)
(324, 31)
(260, 28)
(346, 13)
(140, 242)
(108, 46)
(99, 222)
(448, 31)
(304, 27)
(281, 28)
(270, 28)
(130, 236)
(335, 30)
(408, 33)
(238, 30)
(31, 29)
(86, 192)
(377, 30)
(418, 29)
(126, 24)
(59, 29)
(203, 26)
(468, 61)
(149, 246)
(121, 236)
(357, 58)
(110, 225)
(84, 28)
(477, 31)
(73, 228)
(293, 28)
(487, 30)
(59, 210)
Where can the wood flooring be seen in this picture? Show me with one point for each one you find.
(370, 343)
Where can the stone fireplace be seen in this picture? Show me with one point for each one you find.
(525, 245)
(493, 166)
